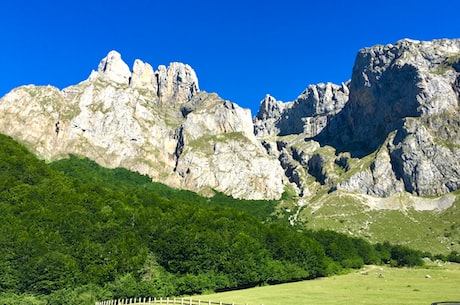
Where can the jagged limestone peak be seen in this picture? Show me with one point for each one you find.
(270, 108)
(177, 83)
(143, 76)
(408, 92)
(308, 114)
(113, 68)
(155, 122)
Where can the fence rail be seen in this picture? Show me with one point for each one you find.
(160, 301)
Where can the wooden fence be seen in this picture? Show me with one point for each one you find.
(160, 301)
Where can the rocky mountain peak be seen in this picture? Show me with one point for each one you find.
(270, 108)
(390, 83)
(270, 111)
(155, 122)
(176, 83)
(143, 76)
(113, 68)
(308, 114)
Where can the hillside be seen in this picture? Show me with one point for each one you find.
(375, 157)
(72, 229)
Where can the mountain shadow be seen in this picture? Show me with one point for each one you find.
(375, 108)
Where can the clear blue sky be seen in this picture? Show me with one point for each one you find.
(241, 49)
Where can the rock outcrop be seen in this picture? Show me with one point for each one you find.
(400, 89)
(308, 114)
(155, 122)
(391, 83)
(400, 112)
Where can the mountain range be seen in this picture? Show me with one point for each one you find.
(388, 139)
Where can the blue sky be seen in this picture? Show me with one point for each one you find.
(241, 49)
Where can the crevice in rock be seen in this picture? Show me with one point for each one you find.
(397, 167)
(298, 156)
(290, 169)
(316, 168)
(179, 147)
(185, 110)
(456, 87)
(157, 79)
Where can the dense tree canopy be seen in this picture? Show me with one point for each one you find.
(72, 231)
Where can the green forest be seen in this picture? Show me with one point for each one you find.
(72, 232)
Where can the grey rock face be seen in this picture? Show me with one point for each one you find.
(426, 165)
(390, 83)
(266, 120)
(401, 108)
(379, 179)
(399, 88)
(308, 114)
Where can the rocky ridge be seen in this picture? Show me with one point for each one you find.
(309, 114)
(155, 122)
(392, 129)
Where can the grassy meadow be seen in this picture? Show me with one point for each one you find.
(402, 286)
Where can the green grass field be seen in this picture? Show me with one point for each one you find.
(402, 286)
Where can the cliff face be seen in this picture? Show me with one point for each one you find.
(393, 128)
(398, 118)
(309, 114)
(154, 122)
(404, 98)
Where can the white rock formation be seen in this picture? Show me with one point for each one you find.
(154, 122)
(113, 68)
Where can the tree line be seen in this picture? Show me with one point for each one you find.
(74, 232)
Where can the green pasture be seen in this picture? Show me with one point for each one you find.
(371, 286)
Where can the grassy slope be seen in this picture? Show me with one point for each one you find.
(437, 232)
(399, 286)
